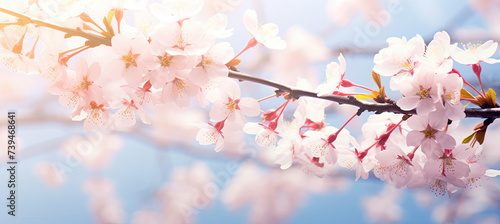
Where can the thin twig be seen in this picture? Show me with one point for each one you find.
(351, 100)
(93, 40)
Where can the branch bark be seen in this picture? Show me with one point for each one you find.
(351, 100)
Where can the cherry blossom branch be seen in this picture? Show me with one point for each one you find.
(93, 40)
(351, 100)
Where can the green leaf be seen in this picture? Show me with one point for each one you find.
(468, 138)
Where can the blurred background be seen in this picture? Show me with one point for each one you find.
(159, 172)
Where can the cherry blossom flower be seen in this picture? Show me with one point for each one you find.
(125, 117)
(311, 108)
(289, 146)
(428, 132)
(78, 89)
(213, 64)
(166, 66)
(397, 166)
(399, 59)
(134, 57)
(215, 26)
(322, 144)
(188, 39)
(94, 114)
(355, 158)
(438, 53)
(450, 166)
(265, 136)
(228, 103)
(211, 135)
(450, 91)
(60, 11)
(475, 53)
(421, 93)
(179, 90)
(127, 4)
(372, 128)
(176, 10)
(265, 34)
(478, 172)
(142, 95)
(334, 75)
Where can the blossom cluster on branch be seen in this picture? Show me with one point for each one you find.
(110, 71)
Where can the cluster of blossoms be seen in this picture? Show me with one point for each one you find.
(174, 57)
(410, 150)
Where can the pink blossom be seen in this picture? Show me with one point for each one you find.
(228, 103)
(186, 39)
(429, 134)
(397, 166)
(79, 89)
(213, 64)
(265, 136)
(211, 135)
(323, 144)
(125, 116)
(356, 158)
(176, 10)
(166, 66)
(378, 125)
(216, 25)
(438, 53)
(290, 145)
(179, 90)
(134, 57)
(94, 114)
(475, 53)
(451, 85)
(400, 57)
(265, 34)
(142, 95)
(450, 166)
(421, 92)
(334, 75)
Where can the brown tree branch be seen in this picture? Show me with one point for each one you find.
(93, 40)
(351, 100)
